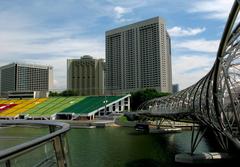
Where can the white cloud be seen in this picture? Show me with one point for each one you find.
(178, 31)
(188, 69)
(120, 12)
(199, 45)
(54, 53)
(13, 21)
(46, 47)
(214, 9)
(55, 42)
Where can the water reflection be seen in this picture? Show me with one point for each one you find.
(124, 147)
(118, 147)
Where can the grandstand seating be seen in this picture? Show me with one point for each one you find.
(22, 106)
(6, 106)
(90, 104)
(67, 103)
(53, 106)
(5, 101)
(47, 107)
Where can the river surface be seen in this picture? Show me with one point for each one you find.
(114, 146)
(124, 147)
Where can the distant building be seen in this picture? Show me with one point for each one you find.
(175, 88)
(138, 56)
(19, 80)
(85, 76)
(234, 96)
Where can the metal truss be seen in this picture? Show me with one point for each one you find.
(214, 101)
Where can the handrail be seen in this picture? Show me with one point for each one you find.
(15, 150)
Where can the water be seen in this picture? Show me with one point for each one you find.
(124, 147)
(10, 136)
(114, 147)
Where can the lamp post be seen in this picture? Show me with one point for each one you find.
(105, 105)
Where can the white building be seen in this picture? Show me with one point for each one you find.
(138, 56)
(85, 76)
(25, 80)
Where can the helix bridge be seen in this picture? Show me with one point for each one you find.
(214, 101)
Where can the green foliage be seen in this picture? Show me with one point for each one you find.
(139, 97)
(123, 119)
(68, 93)
(63, 93)
(53, 94)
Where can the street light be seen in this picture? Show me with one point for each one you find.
(105, 105)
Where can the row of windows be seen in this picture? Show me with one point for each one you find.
(27, 79)
(126, 43)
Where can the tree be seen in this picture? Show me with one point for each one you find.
(141, 96)
(68, 93)
(53, 94)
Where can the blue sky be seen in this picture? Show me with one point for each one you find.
(49, 32)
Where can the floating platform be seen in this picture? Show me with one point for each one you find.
(202, 158)
(142, 127)
(165, 130)
(82, 127)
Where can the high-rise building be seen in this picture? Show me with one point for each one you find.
(85, 76)
(138, 56)
(175, 88)
(18, 77)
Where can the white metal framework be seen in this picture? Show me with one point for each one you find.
(214, 101)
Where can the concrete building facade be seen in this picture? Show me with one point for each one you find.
(138, 56)
(85, 76)
(175, 88)
(18, 77)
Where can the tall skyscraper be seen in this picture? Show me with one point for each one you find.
(175, 88)
(18, 77)
(85, 76)
(138, 56)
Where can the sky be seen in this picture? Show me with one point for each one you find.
(48, 32)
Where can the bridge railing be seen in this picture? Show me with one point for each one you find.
(48, 150)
